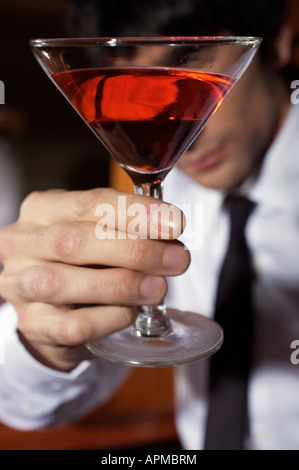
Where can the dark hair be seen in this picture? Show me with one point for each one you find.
(179, 17)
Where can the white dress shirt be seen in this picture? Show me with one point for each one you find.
(32, 395)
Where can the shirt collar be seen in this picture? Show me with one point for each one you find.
(277, 185)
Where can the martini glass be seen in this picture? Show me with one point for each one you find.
(147, 99)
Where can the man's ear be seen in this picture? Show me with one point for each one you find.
(283, 46)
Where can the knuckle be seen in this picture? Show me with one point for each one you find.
(73, 330)
(86, 201)
(41, 283)
(28, 202)
(34, 200)
(68, 241)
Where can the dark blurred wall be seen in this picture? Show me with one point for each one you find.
(56, 148)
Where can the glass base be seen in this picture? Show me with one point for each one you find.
(193, 337)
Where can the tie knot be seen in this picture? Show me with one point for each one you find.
(239, 208)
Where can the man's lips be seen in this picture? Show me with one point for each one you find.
(207, 160)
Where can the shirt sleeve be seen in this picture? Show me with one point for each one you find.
(33, 396)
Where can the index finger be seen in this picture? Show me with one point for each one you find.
(108, 208)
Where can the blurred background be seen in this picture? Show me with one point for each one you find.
(53, 144)
(45, 144)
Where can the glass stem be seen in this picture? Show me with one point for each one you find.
(154, 189)
(152, 320)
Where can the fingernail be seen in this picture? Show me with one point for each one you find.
(167, 221)
(152, 287)
(176, 259)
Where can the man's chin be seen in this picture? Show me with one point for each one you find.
(220, 179)
(213, 181)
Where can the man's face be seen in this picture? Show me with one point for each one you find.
(231, 146)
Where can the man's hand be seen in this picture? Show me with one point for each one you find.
(68, 286)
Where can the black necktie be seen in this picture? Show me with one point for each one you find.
(227, 416)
